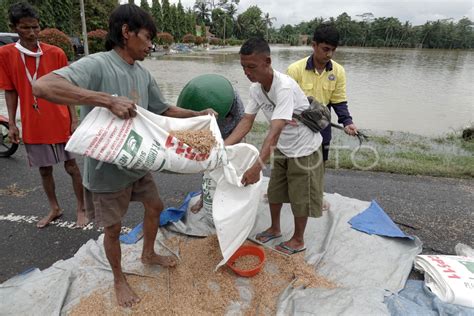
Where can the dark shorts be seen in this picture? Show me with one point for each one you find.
(45, 155)
(325, 151)
(298, 181)
(108, 208)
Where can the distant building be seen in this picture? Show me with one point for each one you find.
(303, 40)
(200, 32)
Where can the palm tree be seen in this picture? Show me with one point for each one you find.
(267, 20)
(231, 10)
(202, 11)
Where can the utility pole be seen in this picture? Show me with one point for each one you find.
(84, 28)
(225, 18)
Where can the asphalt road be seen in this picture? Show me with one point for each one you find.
(439, 211)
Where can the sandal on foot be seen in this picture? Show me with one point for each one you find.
(282, 247)
(266, 236)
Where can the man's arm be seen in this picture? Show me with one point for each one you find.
(57, 89)
(174, 111)
(345, 118)
(339, 102)
(11, 99)
(252, 175)
(74, 119)
(242, 129)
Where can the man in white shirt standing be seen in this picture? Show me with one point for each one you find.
(295, 151)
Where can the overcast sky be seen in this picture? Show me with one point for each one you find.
(415, 11)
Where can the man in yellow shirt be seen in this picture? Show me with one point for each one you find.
(324, 79)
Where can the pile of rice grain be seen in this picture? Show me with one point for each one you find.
(194, 288)
(201, 140)
(247, 262)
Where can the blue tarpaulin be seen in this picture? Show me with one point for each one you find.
(416, 299)
(375, 221)
(171, 214)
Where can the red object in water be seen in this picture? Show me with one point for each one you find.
(247, 250)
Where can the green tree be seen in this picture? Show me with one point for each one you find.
(251, 22)
(393, 31)
(288, 34)
(464, 34)
(145, 6)
(167, 17)
(4, 27)
(190, 22)
(97, 14)
(406, 38)
(65, 14)
(203, 30)
(175, 23)
(157, 14)
(47, 10)
(63, 18)
(344, 25)
(217, 25)
(180, 21)
(230, 9)
(267, 20)
(202, 12)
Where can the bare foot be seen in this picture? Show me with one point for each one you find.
(49, 218)
(82, 219)
(126, 297)
(165, 261)
(198, 206)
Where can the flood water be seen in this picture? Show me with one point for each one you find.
(426, 92)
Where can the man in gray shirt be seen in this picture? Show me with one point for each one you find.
(114, 80)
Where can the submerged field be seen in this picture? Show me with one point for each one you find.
(395, 152)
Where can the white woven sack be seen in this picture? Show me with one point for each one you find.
(144, 142)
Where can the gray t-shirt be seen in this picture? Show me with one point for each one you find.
(108, 72)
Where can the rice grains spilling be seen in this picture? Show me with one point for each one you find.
(201, 140)
(194, 288)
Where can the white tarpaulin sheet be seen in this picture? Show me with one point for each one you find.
(366, 267)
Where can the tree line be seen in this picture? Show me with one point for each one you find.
(64, 14)
(222, 20)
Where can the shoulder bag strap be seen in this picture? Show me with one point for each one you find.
(266, 95)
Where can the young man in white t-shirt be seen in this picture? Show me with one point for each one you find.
(297, 166)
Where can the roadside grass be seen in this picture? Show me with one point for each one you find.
(395, 152)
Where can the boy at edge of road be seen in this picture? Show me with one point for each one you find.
(322, 78)
(92, 81)
(46, 127)
(297, 167)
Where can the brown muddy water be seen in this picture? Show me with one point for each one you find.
(426, 92)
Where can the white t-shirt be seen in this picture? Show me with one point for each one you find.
(294, 141)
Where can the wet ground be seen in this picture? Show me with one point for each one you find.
(439, 211)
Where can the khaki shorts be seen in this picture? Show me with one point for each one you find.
(298, 181)
(108, 208)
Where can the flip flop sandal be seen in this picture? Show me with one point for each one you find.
(287, 249)
(265, 237)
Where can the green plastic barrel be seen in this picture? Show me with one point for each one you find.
(207, 91)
